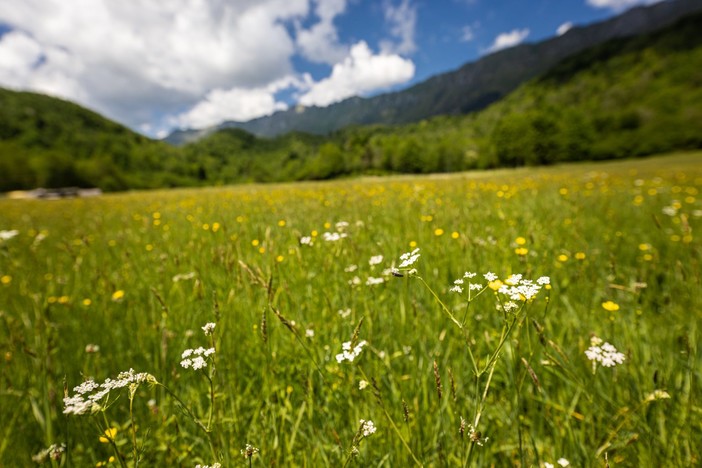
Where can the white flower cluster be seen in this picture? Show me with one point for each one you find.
(90, 394)
(409, 258)
(371, 281)
(197, 361)
(333, 236)
(54, 452)
(519, 289)
(214, 465)
(348, 353)
(209, 328)
(249, 451)
(375, 260)
(306, 240)
(7, 235)
(367, 427)
(605, 354)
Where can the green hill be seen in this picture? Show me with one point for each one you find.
(48, 142)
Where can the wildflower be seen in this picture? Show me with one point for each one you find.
(409, 258)
(92, 348)
(519, 289)
(351, 268)
(306, 240)
(475, 286)
(54, 452)
(438, 232)
(580, 255)
(349, 354)
(563, 462)
(610, 306)
(362, 384)
(371, 281)
(198, 361)
(367, 427)
(521, 251)
(657, 395)
(89, 395)
(249, 451)
(7, 235)
(375, 260)
(520, 241)
(469, 274)
(489, 276)
(605, 354)
(214, 465)
(457, 289)
(110, 434)
(209, 328)
(6, 279)
(344, 312)
(309, 333)
(333, 236)
(118, 295)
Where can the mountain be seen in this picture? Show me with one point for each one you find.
(470, 88)
(48, 142)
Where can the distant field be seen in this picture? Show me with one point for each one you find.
(93, 287)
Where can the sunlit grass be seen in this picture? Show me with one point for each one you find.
(94, 287)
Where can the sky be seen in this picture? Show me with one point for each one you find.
(156, 66)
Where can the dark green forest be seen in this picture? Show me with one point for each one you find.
(626, 98)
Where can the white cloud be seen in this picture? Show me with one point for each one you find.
(320, 43)
(139, 59)
(238, 104)
(402, 21)
(619, 4)
(360, 72)
(508, 39)
(564, 28)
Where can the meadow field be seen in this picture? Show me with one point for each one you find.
(551, 316)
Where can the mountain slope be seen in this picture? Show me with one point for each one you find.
(472, 87)
(48, 142)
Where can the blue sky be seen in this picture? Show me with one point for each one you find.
(156, 66)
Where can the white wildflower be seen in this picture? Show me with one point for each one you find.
(563, 462)
(456, 289)
(371, 281)
(475, 286)
(249, 451)
(198, 358)
(209, 328)
(351, 268)
(355, 281)
(458, 281)
(362, 384)
(367, 427)
(7, 235)
(341, 225)
(469, 274)
(409, 258)
(348, 353)
(544, 280)
(375, 260)
(309, 333)
(306, 240)
(333, 236)
(606, 354)
(489, 276)
(343, 313)
(89, 395)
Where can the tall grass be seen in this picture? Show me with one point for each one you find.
(90, 288)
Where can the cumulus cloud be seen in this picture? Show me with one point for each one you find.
(508, 39)
(238, 104)
(564, 28)
(320, 43)
(360, 72)
(619, 4)
(134, 60)
(402, 21)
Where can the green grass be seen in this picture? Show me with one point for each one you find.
(599, 231)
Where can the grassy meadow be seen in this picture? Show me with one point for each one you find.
(321, 355)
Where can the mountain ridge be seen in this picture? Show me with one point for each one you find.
(469, 88)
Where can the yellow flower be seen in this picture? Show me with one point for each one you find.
(644, 247)
(610, 306)
(279, 258)
(87, 302)
(580, 255)
(522, 251)
(109, 435)
(562, 258)
(495, 285)
(520, 240)
(438, 232)
(455, 235)
(6, 279)
(63, 300)
(118, 295)
(215, 227)
(255, 242)
(413, 244)
(281, 223)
